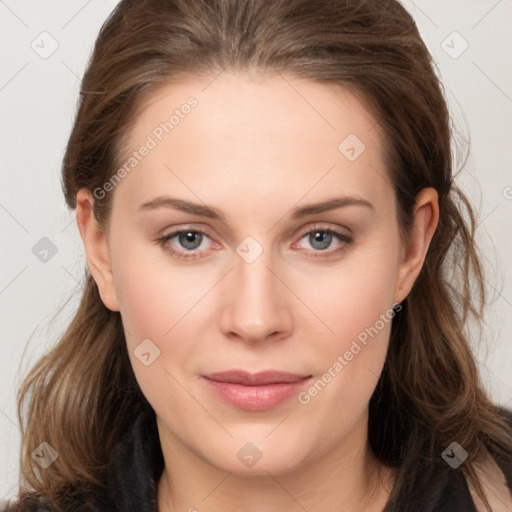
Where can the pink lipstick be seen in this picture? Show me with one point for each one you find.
(255, 391)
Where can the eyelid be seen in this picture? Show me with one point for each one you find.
(183, 229)
(323, 226)
(343, 238)
(308, 227)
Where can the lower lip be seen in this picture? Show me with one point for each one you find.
(255, 398)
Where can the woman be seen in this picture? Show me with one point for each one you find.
(279, 275)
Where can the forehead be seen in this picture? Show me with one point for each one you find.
(266, 137)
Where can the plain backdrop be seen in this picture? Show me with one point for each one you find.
(45, 47)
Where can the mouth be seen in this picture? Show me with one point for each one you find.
(255, 391)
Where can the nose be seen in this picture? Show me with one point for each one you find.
(257, 305)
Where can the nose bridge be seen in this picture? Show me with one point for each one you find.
(257, 305)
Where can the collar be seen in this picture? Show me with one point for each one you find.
(137, 465)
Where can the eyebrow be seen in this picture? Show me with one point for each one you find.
(203, 210)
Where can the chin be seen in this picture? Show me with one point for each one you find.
(259, 457)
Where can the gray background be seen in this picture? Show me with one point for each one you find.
(38, 93)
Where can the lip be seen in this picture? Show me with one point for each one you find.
(255, 391)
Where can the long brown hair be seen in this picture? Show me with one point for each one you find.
(82, 395)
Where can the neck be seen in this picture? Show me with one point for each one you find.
(348, 478)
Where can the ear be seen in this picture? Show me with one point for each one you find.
(96, 248)
(426, 218)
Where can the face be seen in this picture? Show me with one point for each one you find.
(255, 277)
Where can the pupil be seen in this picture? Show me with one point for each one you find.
(187, 240)
(323, 238)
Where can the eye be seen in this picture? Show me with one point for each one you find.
(321, 238)
(188, 242)
(188, 239)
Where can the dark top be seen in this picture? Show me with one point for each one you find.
(138, 463)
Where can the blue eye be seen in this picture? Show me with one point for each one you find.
(190, 239)
(324, 238)
(320, 238)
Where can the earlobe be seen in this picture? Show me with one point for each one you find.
(96, 248)
(426, 218)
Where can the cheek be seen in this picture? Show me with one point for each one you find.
(357, 308)
(351, 296)
(153, 292)
(157, 302)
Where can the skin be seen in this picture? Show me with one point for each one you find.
(256, 147)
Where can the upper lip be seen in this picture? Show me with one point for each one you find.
(255, 379)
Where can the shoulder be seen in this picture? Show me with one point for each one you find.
(129, 482)
(493, 480)
(495, 487)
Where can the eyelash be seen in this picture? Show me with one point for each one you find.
(345, 240)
